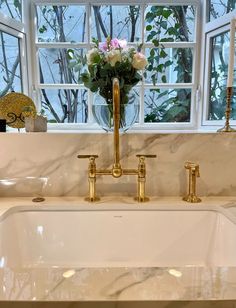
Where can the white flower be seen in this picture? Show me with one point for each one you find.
(123, 44)
(139, 61)
(113, 56)
(91, 55)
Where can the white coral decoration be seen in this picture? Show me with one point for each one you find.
(139, 61)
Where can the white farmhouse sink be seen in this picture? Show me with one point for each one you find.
(145, 238)
(62, 254)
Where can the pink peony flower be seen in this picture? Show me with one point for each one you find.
(115, 43)
(102, 46)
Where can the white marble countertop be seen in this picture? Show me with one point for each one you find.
(119, 284)
(118, 202)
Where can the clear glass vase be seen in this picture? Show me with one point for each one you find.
(103, 112)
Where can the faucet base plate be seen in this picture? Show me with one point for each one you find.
(192, 199)
(141, 200)
(92, 199)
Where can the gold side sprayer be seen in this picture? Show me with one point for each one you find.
(193, 174)
(117, 171)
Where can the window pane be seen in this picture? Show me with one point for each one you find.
(56, 67)
(65, 23)
(11, 8)
(169, 65)
(218, 78)
(167, 105)
(116, 21)
(65, 106)
(170, 23)
(218, 8)
(10, 72)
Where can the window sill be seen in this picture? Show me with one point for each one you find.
(211, 130)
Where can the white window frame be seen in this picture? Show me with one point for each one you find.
(18, 29)
(192, 125)
(210, 30)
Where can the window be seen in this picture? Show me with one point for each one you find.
(218, 8)
(216, 68)
(59, 30)
(9, 64)
(12, 9)
(172, 95)
(13, 70)
(169, 37)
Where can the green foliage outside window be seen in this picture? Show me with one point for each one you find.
(169, 24)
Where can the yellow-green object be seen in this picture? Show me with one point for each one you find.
(12, 108)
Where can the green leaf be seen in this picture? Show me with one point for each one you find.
(152, 52)
(160, 68)
(149, 27)
(96, 59)
(103, 72)
(72, 63)
(42, 29)
(154, 79)
(168, 39)
(166, 13)
(95, 41)
(17, 4)
(168, 63)
(172, 31)
(163, 79)
(149, 17)
(151, 35)
(77, 67)
(70, 53)
(163, 54)
(155, 42)
(163, 24)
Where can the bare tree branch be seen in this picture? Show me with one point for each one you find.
(11, 78)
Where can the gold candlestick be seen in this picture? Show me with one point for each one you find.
(227, 128)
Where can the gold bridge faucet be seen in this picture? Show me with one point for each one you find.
(117, 171)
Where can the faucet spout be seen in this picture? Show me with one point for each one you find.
(116, 170)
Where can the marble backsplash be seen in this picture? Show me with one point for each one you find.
(46, 164)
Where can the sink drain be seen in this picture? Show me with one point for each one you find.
(38, 199)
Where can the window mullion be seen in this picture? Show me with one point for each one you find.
(89, 25)
(63, 45)
(172, 45)
(141, 91)
(170, 86)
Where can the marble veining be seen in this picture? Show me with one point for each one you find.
(119, 284)
(47, 164)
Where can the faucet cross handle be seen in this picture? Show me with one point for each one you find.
(146, 155)
(87, 156)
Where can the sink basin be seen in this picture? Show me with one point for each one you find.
(144, 238)
(65, 254)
